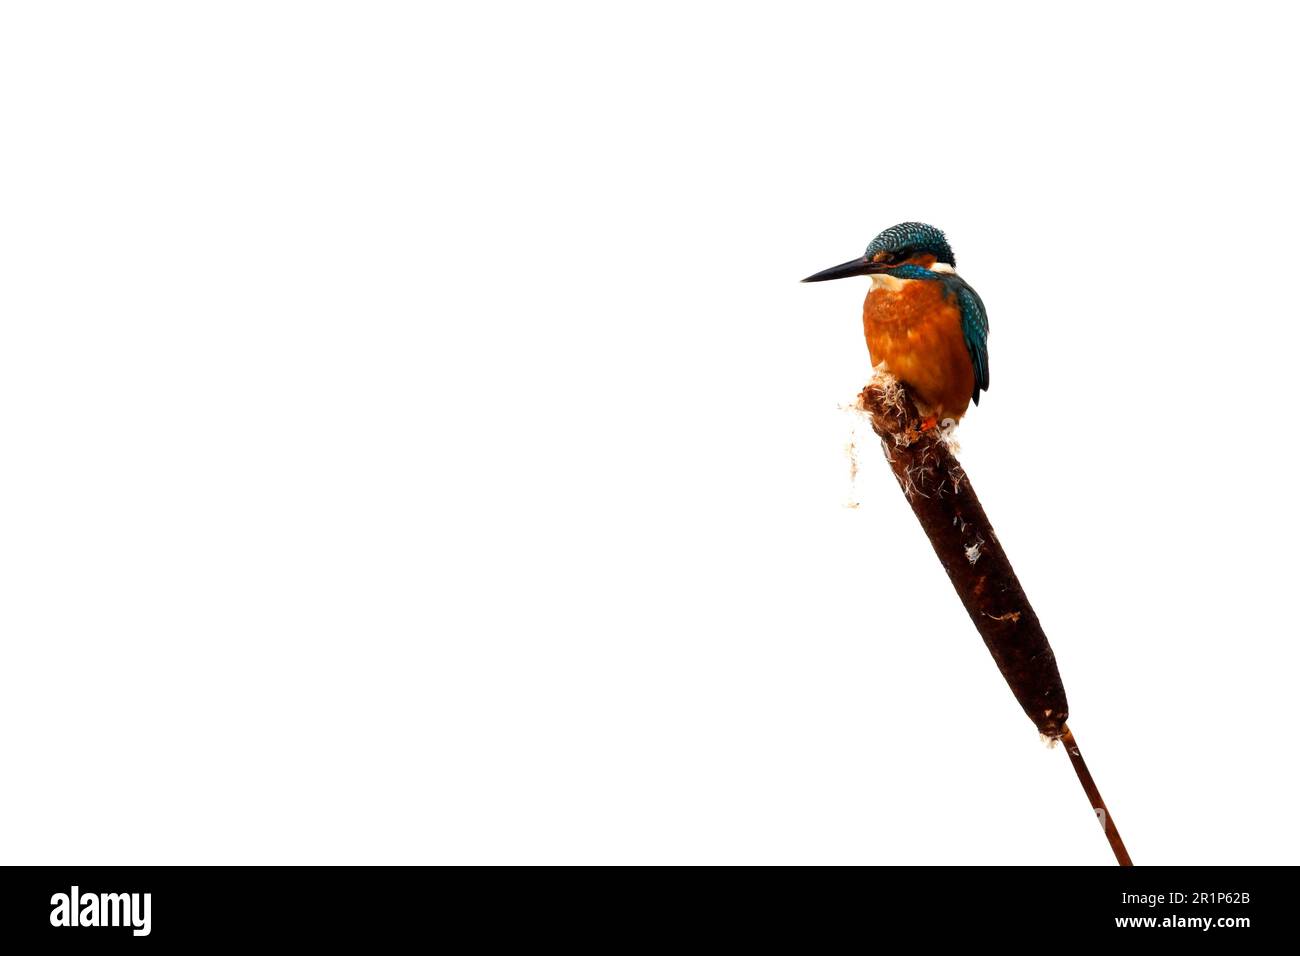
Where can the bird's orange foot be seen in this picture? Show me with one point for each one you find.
(912, 434)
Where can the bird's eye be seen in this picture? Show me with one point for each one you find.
(900, 255)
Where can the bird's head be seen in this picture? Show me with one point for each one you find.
(908, 243)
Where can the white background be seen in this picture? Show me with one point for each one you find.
(417, 445)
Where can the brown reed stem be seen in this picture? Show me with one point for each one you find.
(1094, 797)
(941, 496)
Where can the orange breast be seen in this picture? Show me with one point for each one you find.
(916, 331)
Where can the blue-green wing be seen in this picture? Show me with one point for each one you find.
(975, 328)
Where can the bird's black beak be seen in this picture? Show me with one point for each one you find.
(854, 267)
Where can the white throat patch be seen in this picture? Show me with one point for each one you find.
(887, 282)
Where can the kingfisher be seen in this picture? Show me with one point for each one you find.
(924, 324)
